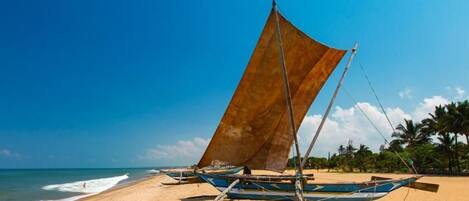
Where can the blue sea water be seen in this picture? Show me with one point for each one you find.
(63, 184)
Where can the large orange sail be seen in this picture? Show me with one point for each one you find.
(254, 130)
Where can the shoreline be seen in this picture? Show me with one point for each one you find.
(150, 189)
(117, 187)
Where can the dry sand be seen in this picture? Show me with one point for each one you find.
(451, 189)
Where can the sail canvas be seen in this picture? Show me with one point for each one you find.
(254, 130)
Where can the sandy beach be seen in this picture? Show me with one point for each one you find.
(451, 189)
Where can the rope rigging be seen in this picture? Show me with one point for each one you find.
(378, 130)
(411, 167)
(376, 96)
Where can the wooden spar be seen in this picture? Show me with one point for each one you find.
(378, 178)
(222, 195)
(180, 176)
(298, 188)
(287, 91)
(329, 107)
(424, 186)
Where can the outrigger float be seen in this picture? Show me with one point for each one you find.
(261, 189)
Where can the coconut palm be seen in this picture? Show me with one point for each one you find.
(341, 149)
(350, 149)
(349, 155)
(396, 146)
(436, 124)
(410, 134)
(441, 123)
(362, 157)
(445, 146)
(463, 109)
(454, 125)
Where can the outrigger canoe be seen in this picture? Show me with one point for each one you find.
(188, 175)
(259, 189)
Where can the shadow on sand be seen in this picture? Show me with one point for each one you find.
(200, 198)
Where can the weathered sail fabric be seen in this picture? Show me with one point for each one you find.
(254, 130)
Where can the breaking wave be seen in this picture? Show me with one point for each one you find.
(153, 171)
(88, 187)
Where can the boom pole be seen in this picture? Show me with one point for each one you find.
(331, 103)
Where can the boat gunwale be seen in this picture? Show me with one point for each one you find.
(367, 183)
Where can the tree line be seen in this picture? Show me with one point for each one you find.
(430, 146)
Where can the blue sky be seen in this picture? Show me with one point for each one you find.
(128, 83)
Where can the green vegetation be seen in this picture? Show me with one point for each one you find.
(430, 146)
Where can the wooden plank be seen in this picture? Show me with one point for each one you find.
(377, 178)
(424, 186)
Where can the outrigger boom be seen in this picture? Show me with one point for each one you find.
(251, 188)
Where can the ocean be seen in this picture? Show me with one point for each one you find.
(63, 184)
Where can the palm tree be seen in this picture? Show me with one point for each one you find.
(350, 149)
(341, 149)
(440, 123)
(446, 142)
(463, 109)
(395, 145)
(436, 123)
(349, 155)
(410, 134)
(454, 123)
(362, 157)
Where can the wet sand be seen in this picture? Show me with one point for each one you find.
(451, 188)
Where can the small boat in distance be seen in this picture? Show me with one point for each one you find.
(153, 171)
(188, 174)
(178, 173)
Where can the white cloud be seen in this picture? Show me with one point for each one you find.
(5, 153)
(346, 124)
(406, 93)
(428, 106)
(458, 93)
(349, 124)
(183, 151)
(342, 125)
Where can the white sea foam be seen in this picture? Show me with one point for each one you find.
(153, 171)
(88, 187)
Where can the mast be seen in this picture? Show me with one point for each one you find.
(299, 171)
(287, 91)
(331, 103)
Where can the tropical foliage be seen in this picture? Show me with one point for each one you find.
(432, 145)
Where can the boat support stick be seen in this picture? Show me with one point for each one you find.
(331, 103)
(222, 195)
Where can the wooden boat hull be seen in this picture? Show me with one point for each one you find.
(279, 195)
(252, 189)
(180, 176)
(189, 176)
(186, 180)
